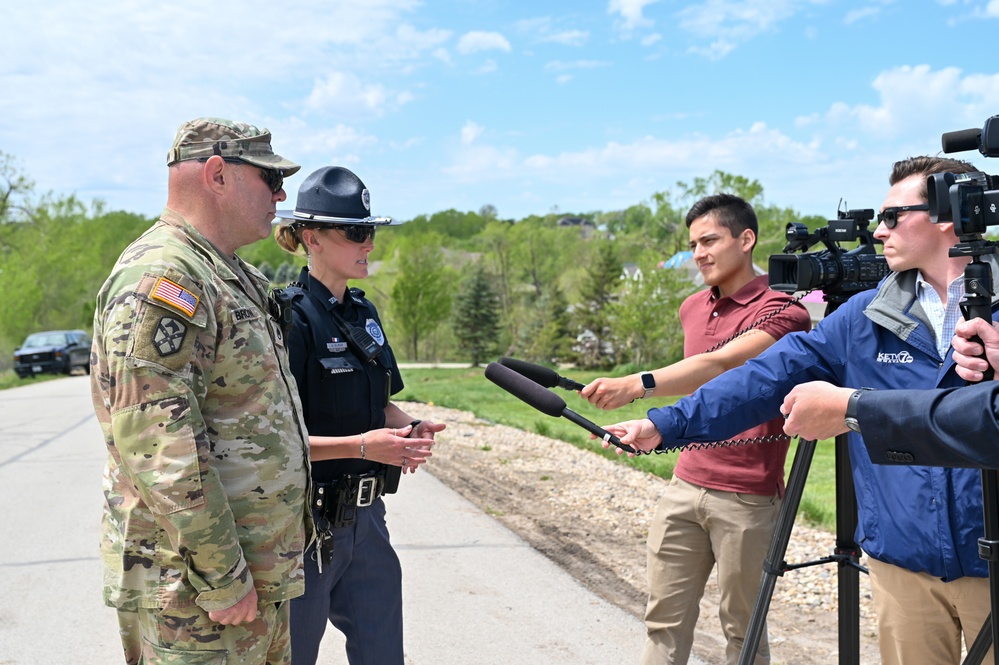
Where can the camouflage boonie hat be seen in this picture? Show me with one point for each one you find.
(204, 137)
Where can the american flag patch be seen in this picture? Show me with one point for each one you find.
(175, 295)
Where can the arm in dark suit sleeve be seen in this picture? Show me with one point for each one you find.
(955, 427)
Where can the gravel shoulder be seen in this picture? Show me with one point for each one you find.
(590, 516)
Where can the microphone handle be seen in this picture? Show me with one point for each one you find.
(593, 428)
(569, 384)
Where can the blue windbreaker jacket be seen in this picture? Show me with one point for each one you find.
(922, 518)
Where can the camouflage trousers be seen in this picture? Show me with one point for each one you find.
(186, 636)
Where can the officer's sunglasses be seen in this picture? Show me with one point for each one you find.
(273, 177)
(890, 215)
(358, 233)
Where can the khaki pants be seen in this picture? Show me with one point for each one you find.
(695, 528)
(921, 618)
(186, 636)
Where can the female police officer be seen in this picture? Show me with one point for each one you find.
(359, 440)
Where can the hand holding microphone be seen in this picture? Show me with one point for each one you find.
(541, 375)
(546, 401)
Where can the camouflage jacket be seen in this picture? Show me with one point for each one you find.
(207, 472)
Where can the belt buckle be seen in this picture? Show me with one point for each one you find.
(366, 491)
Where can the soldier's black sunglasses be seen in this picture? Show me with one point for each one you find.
(273, 177)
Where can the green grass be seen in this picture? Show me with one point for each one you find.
(468, 390)
(8, 379)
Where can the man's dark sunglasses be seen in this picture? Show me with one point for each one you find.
(273, 177)
(358, 233)
(890, 215)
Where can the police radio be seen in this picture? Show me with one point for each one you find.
(360, 341)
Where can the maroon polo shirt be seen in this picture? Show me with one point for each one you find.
(707, 320)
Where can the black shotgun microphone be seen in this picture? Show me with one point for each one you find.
(962, 140)
(541, 375)
(545, 401)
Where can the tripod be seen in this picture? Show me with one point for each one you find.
(977, 303)
(846, 554)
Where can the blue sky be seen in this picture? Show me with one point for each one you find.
(528, 106)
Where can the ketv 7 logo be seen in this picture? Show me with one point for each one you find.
(901, 358)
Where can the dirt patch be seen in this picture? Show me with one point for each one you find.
(590, 516)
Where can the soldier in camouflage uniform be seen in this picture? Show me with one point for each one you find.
(205, 520)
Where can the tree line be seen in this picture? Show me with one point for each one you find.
(451, 286)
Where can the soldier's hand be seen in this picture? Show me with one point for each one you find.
(242, 612)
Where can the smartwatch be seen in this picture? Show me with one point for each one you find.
(649, 383)
(851, 410)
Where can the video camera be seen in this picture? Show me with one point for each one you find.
(969, 200)
(834, 270)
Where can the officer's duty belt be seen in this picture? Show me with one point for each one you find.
(347, 492)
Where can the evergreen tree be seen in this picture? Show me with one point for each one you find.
(476, 316)
(601, 281)
(549, 338)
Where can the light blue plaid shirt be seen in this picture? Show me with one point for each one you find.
(943, 319)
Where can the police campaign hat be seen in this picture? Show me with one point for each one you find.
(204, 137)
(333, 195)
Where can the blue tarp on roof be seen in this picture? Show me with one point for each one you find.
(676, 260)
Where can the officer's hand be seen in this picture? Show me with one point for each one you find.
(606, 393)
(639, 434)
(242, 612)
(967, 354)
(815, 410)
(391, 445)
(427, 429)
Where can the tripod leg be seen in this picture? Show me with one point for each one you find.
(773, 565)
(988, 549)
(848, 572)
(980, 647)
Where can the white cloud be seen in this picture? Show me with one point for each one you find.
(992, 9)
(475, 41)
(714, 51)
(487, 67)
(343, 93)
(541, 29)
(470, 132)
(857, 15)
(916, 101)
(732, 22)
(568, 37)
(561, 66)
(631, 12)
(649, 40)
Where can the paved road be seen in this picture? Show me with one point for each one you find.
(473, 591)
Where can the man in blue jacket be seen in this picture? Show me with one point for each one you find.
(954, 427)
(919, 525)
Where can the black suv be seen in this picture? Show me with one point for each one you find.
(55, 351)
